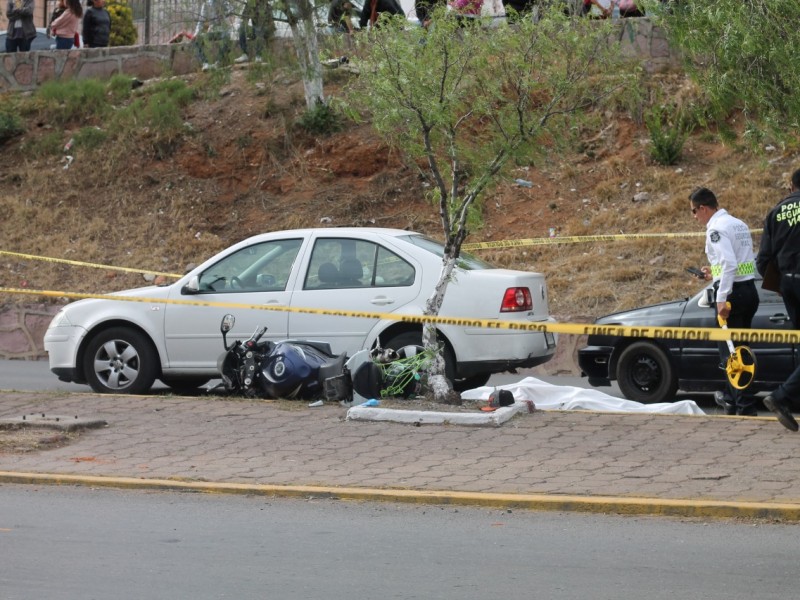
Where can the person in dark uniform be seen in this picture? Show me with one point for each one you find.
(780, 247)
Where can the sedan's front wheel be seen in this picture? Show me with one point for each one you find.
(120, 361)
(645, 374)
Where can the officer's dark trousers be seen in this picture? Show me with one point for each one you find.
(789, 391)
(744, 304)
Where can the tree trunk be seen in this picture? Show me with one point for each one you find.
(440, 388)
(304, 37)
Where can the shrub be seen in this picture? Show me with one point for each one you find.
(668, 132)
(123, 31)
(90, 137)
(175, 90)
(120, 87)
(320, 120)
(45, 145)
(10, 126)
(74, 100)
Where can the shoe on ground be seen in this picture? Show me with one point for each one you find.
(725, 402)
(782, 412)
(242, 59)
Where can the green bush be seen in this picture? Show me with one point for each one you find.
(320, 120)
(175, 90)
(46, 145)
(73, 100)
(90, 137)
(123, 31)
(668, 130)
(10, 126)
(120, 87)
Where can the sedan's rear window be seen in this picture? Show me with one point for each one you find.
(465, 261)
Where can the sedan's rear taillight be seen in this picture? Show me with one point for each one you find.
(517, 299)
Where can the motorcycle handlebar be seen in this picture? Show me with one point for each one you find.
(257, 334)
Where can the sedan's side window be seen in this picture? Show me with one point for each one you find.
(338, 263)
(257, 268)
(391, 270)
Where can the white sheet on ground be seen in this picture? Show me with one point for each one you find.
(547, 396)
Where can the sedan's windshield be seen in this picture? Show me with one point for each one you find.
(465, 261)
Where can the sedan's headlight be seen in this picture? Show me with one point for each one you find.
(61, 319)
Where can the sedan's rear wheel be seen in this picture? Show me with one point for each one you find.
(120, 361)
(412, 338)
(645, 374)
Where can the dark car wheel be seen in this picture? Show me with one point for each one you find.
(120, 361)
(645, 374)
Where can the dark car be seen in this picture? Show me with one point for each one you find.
(653, 370)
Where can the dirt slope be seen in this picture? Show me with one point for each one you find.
(245, 169)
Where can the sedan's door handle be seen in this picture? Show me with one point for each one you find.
(779, 318)
(382, 301)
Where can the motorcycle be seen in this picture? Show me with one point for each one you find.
(288, 369)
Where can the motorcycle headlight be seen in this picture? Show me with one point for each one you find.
(279, 368)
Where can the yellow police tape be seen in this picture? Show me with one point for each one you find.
(79, 263)
(579, 239)
(677, 333)
(575, 239)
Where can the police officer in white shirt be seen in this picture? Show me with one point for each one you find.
(729, 248)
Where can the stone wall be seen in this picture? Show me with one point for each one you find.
(22, 330)
(27, 70)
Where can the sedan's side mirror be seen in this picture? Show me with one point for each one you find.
(192, 286)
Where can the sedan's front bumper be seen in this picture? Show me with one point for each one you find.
(61, 344)
(595, 363)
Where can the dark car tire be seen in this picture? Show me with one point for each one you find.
(645, 374)
(120, 361)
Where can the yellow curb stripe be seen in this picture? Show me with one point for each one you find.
(539, 502)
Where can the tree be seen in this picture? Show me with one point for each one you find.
(464, 99)
(744, 55)
(301, 19)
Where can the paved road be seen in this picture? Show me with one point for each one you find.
(171, 546)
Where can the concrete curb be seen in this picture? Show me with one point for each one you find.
(426, 417)
(537, 502)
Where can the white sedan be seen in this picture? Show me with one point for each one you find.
(124, 346)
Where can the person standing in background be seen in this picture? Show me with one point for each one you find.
(96, 25)
(65, 26)
(21, 30)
